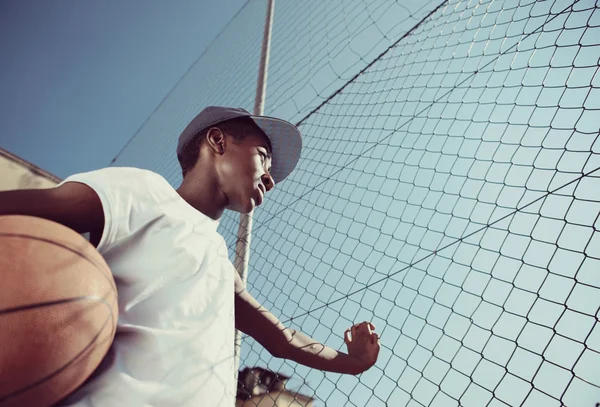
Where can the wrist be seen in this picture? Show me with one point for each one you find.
(358, 365)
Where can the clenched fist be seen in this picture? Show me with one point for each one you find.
(363, 344)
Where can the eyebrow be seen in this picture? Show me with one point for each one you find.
(267, 144)
(269, 155)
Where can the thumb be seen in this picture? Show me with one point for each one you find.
(347, 336)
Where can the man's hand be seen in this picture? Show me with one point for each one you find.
(256, 321)
(363, 344)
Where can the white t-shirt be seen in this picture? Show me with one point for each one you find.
(174, 344)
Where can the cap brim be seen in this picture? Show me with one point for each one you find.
(286, 141)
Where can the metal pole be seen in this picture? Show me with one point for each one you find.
(242, 247)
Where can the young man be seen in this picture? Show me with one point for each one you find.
(174, 344)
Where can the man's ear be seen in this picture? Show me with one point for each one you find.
(216, 140)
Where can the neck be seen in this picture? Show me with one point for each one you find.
(199, 189)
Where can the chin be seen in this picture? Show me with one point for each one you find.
(251, 206)
(246, 208)
(242, 204)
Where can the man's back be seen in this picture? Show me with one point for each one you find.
(174, 341)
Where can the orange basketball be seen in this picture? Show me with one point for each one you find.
(58, 311)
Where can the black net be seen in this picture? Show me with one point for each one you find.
(319, 46)
(448, 191)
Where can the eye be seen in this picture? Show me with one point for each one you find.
(263, 156)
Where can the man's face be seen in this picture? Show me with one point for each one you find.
(243, 171)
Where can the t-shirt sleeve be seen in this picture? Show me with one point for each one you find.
(108, 185)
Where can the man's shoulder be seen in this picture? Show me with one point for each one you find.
(125, 184)
(129, 172)
(126, 176)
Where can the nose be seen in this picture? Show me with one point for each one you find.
(268, 181)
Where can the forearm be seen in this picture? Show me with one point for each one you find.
(303, 349)
(256, 321)
(74, 205)
(20, 202)
(31, 202)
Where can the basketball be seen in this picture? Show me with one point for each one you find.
(58, 311)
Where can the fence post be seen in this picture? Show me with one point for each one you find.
(242, 247)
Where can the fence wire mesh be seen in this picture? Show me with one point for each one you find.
(448, 191)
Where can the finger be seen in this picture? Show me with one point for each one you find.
(374, 338)
(347, 336)
(372, 326)
(369, 330)
(354, 331)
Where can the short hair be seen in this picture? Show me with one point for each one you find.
(238, 128)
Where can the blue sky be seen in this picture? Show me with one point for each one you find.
(403, 208)
(446, 193)
(405, 202)
(79, 78)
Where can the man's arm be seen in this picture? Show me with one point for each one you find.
(255, 320)
(72, 204)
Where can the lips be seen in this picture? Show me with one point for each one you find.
(261, 195)
(262, 188)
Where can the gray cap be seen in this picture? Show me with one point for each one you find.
(285, 138)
